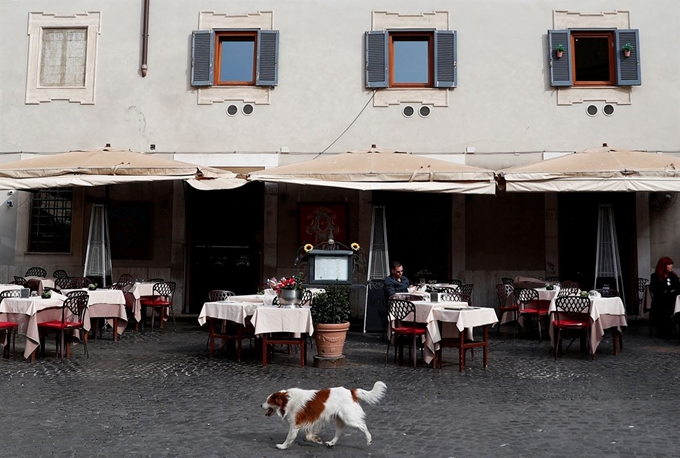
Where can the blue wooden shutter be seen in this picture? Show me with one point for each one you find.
(202, 57)
(376, 59)
(267, 58)
(560, 69)
(628, 68)
(445, 58)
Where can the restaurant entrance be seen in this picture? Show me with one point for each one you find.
(418, 232)
(224, 241)
(578, 218)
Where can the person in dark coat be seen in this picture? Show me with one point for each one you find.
(396, 282)
(665, 287)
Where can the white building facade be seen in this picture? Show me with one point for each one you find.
(247, 85)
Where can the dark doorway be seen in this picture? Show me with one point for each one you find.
(418, 233)
(578, 218)
(224, 233)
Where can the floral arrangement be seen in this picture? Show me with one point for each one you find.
(293, 282)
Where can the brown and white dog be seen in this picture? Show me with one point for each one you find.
(310, 409)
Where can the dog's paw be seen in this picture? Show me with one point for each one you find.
(330, 443)
(281, 446)
(315, 439)
(369, 442)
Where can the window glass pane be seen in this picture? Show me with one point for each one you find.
(237, 59)
(411, 60)
(51, 220)
(63, 56)
(592, 59)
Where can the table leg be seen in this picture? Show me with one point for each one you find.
(115, 328)
(264, 350)
(461, 351)
(303, 346)
(486, 346)
(616, 341)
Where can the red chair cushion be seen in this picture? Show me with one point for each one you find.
(534, 311)
(510, 308)
(7, 325)
(59, 325)
(407, 330)
(156, 302)
(571, 323)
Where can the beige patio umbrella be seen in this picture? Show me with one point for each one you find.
(373, 169)
(105, 166)
(597, 169)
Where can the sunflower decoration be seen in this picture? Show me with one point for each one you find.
(355, 246)
(308, 247)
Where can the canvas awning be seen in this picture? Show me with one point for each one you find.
(373, 169)
(103, 167)
(597, 169)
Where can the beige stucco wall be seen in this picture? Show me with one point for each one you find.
(503, 107)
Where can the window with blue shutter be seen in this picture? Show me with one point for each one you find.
(628, 68)
(234, 57)
(376, 59)
(202, 58)
(560, 67)
(267, 58)
(445, 65)
(594, 58)
(411, 58)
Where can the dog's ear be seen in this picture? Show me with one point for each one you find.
(280, 398)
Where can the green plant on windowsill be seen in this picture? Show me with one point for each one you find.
(627, 47)
(560, 48)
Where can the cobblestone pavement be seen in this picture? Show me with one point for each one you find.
(159, 395)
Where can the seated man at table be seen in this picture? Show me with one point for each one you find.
(396, 282)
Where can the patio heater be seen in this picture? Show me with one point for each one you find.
(375, 312)
(608, 260)
(98, 256)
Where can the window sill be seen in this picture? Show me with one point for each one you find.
(247, 94)
(427, 96)
(620, 95)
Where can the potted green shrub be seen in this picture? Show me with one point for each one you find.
(559, 50)
(627, 48)
(330, 314)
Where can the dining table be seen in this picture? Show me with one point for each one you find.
(41, 282)
(457, 321)
(106, 303)
(283, 326)
(605, 313)
(5, 287)
(138, 290)
(30, 312)
(545, 295)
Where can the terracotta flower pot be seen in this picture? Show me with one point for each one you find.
(330, 339)
(559, 54)
(626, 53)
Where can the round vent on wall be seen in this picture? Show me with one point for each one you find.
(408, 111)
(608, 110)
(232, 110)
(424, 112)
(247, 109)
(591, 110)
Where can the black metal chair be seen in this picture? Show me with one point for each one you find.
(404, 328)
(640, 288)
(504, 291)
(160, 299)
(59, 273)
(531, 308)
(572, 313)
(126, 278)
(78, 283)
(455, 281)
(608, 292)
(36, 272)
(554, 280)
(568, 291)
(72, 319)
(10, 327)
(219, 295)
(62, 283)
(467, 290)
(569, 284)
(507, 280)
(18, 281)
(307, 297)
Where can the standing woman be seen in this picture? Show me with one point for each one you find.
(665, 287)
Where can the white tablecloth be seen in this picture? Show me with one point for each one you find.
(28, 313)
(4, 287)
(453, 321)
(42, 282)
(266, 299)
(268, 319)
(138, 290)
(106, 303)
(227, 310)
(605, 312)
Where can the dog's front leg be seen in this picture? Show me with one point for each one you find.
(292, 434)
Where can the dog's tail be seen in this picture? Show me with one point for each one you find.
(374, 396)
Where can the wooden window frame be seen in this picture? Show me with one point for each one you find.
(611, 39)
(430, 58)
(219, 38)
